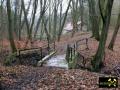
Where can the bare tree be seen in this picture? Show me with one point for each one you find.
(81, 12)
(64, 19)
(112, 42)
(105, 14)
(43, 7)
(26, 19)
(75, 15)
(10, 31)
(93, 20)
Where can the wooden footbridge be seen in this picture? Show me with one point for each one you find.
(73, 56)
(47, 48)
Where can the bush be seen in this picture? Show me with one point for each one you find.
(73, 62)
(10, 59)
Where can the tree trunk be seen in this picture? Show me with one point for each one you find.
(47, 33)
(93, 20)
(97, 61)
(75, 16)
(55, 21)
(81, 11)
(63, 23)
(25, 12)
(35, 5)
(43, 7)
(115, 33)
(11, 38)
(20, 29)
(26, 20)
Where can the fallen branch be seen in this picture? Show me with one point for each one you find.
(45, 58)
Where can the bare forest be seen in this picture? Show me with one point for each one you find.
(59, 44)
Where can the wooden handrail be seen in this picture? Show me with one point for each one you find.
(38, 48)
(28, 49)
(86, 42)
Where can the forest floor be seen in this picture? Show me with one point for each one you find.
(21, 77)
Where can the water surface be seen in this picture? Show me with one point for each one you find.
(57, 61)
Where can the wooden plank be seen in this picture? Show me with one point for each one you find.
(28, 49)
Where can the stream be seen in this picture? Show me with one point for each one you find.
(57, 61)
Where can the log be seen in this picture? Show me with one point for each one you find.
(45, 58)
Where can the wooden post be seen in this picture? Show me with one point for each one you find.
(54, 45)
(19, 57)
(87, 48)
(68, 53)
(41, 53)
(76, 45)
(74, 49)
(71, 52)
(48, 48)
(18, 52)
